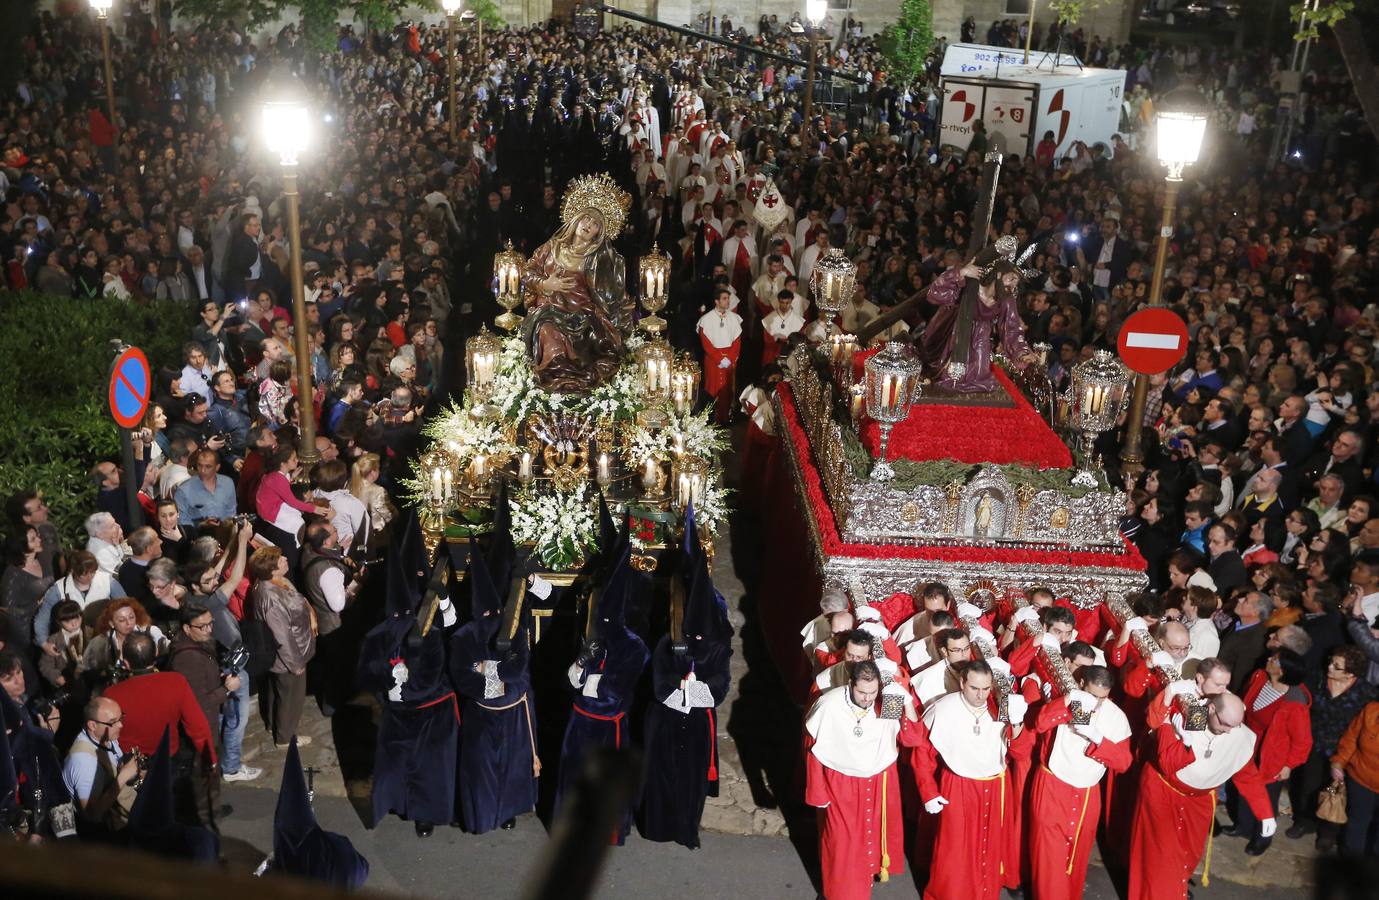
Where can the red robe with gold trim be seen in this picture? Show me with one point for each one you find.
(1065, 800)
(1177, 805)
(852, 781)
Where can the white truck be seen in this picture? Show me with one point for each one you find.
(1076, 103)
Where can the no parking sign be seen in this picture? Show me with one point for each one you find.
(130, 386)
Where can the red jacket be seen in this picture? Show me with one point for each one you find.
(1284, 727)
(157, 701)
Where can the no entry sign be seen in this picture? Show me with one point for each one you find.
(130, 386)
(1153, 340)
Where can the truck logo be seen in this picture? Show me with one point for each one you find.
(967, 108)
(1056, 106)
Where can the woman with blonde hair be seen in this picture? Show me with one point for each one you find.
(275, 602)
(364, 486)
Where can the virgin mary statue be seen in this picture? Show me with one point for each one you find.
(576, 291)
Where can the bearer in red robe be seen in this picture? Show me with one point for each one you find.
(970, 795)
(851, 779)
(1065, 801)
(1177, 797)
(720, 333)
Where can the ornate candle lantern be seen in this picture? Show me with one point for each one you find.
(841, 347)
(507, 286)
(654, 283)
(438, 478)
(833, 280)
(684, 385)
(689, 475)
(655, 359)
(1097, 396)
(481, 363)
(892, 386)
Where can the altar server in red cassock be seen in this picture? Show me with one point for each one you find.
(972, 792)
(1065, 801)
(1177, 798)
(720, 332)
(852, 781)
(740, 258)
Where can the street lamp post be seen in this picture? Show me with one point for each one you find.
(102, 8)
(285, 128)
(451, 7)
(815, 10)
(1179, 127)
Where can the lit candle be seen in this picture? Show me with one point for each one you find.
(856, 398)
(682, 490)
(604, 472)
(437, 486)
(524, 468)
(449, 485)
(651, 475)
(679, 400)
(660, 282)
(890, 390)
(678, 446)
(480, 467)
(650, 283)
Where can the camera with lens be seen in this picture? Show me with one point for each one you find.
(234, 659)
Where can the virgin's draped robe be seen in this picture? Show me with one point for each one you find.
(572, 340)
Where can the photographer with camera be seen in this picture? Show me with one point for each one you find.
(196, 656)
(330, 584)
(101, 777)
(211, 590)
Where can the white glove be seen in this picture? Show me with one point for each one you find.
(1136, 624)
(1088, 732)
(1268, 827)
(1051, 643)
(1161, 660)
(1025, 615)
(999, 666)
(981, 634)
(866, 614)
(1086, 700)
(875, 629)
(725, 363)
(541, 587)
(935, 806)
(1183, 688)
(968, 611)
(1177, 721)
(1017, 706)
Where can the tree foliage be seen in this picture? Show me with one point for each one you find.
(55, 360)
(906, 43)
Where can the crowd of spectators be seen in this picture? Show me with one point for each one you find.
(1256, 508)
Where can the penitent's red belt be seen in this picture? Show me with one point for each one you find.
(616, 720)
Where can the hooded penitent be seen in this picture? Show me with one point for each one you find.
(300, 846)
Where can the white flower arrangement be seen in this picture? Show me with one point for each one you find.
(693, 434)
(465, 437)
(514, 387)
(560, 526)
(712, 510)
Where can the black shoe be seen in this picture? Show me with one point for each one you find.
(509, 825)
(1300, 830)
(424, 829)
(224, 811)
(1326, 843)
(1016, 893)
(1231, 830)
(328, 710)
(1257, 846)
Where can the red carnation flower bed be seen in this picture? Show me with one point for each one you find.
(833, 544)
(972, 434)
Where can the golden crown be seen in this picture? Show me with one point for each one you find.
(600, 194)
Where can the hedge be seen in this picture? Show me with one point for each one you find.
(55, 357)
